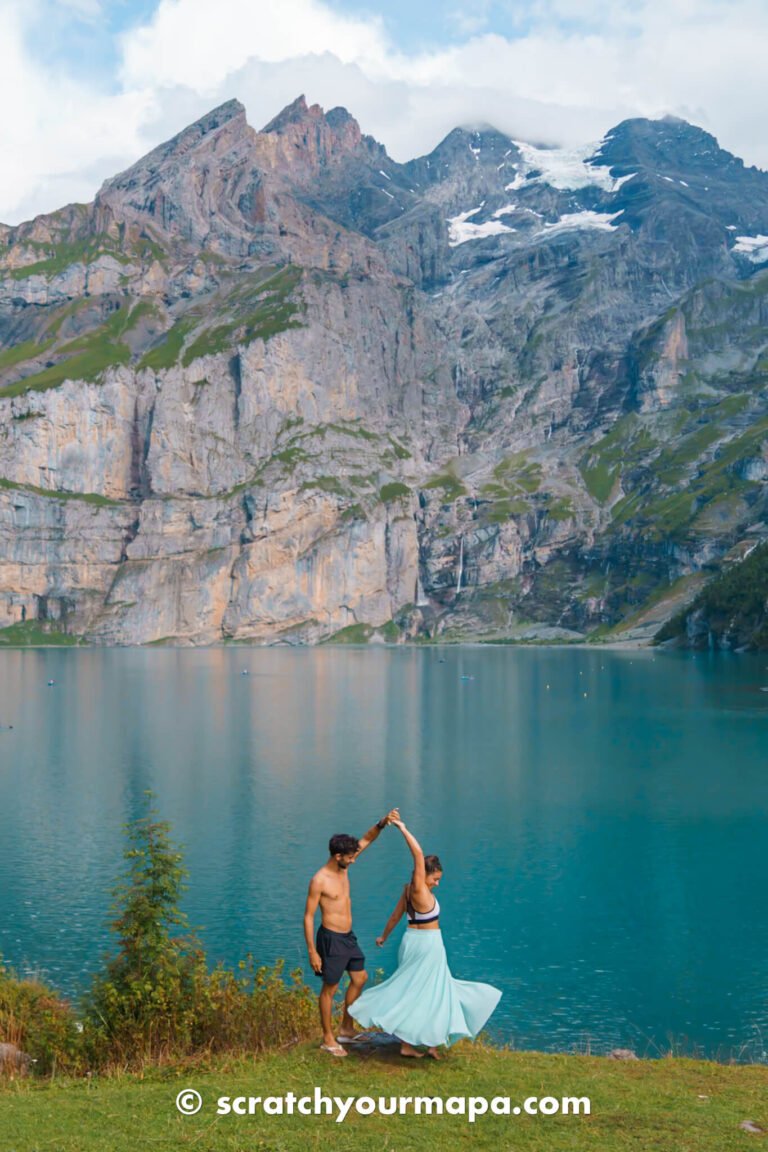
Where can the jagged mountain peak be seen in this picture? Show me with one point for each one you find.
(217, 131)
(302, 139)
(298, 112)
(295, 112)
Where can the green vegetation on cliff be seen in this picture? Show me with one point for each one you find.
(62, 255)
(256, 311)
(730, 612)
(87, 356)
(36, 634)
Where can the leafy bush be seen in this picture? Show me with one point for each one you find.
(145, 1003)
(39, 1022)
(156, 999)
(254, 1009)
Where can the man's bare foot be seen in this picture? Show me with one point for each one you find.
(409, 1050)
(433, 1052)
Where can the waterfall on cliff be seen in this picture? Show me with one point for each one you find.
(461, 565)
(421, 597)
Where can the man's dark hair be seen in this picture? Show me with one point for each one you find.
(343, 845)
(432, 864)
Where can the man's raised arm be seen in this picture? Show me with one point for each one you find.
(373, 833)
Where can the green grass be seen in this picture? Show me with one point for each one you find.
(400, 452)
(560, 509)
(166, 353)
(35, 634)
(671, 464)
(352, 634)
(674, 513)
(393, 491)
(63, 312)
(621, 449)
(501, 510)
(599, 480)
(349, 429)
(353, 512)
(292, 455)
(328, 484)
(515, 479)
(88, 356)
(670, 1105)
(262, 311)
(147, 248)
(261, 324)
(21, 352)
(452, 487)
(85, 497)
(516, 472)
(64, 255)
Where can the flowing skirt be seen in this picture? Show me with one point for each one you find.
(421, 1003)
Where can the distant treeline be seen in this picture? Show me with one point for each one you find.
(730, 612)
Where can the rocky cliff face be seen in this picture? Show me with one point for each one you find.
(272, 385)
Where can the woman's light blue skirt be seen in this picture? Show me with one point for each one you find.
(422, 1003)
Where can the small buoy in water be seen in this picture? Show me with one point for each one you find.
(547, 687)
(51, 683)
(467, 677)
(244, 672)
(585, 695)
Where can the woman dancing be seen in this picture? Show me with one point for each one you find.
(422, 1003)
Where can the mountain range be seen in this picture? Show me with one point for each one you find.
(276, 387)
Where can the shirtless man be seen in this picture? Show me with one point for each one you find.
(337, 950)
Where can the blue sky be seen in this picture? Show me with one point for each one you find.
(88, 86)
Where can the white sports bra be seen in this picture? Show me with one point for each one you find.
(415, 917)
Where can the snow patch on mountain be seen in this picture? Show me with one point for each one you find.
(460, 231)
(565, 168)
(597, 220)
(755, 248)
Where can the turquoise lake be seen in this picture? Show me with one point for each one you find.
(602, 818)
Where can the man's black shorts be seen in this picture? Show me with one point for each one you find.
(340, 953)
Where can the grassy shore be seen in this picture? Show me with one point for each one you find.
(679, 1105)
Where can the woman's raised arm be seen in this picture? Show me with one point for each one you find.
(419, 870)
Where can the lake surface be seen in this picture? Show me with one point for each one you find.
(602, 818)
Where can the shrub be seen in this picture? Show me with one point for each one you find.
(254, 1010)
(145, 1003)
(156, 999)
(39, 1022)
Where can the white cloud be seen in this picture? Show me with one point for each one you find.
(701, 59)
(55, 133)
(182, 44)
